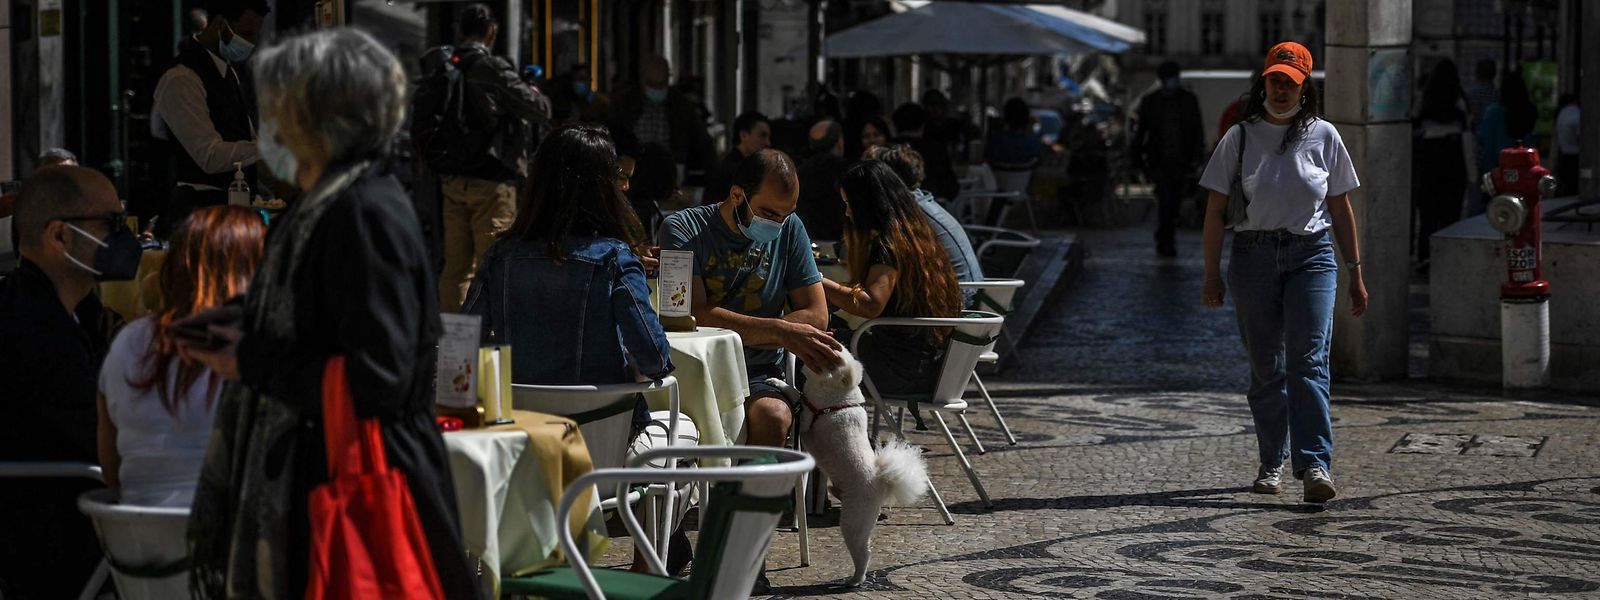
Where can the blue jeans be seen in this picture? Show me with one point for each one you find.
(1283, 290)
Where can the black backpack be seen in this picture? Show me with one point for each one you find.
(449, 137)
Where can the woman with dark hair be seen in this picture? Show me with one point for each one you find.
(871, 132)
(155, 406)
(573, 252)
(1014, 147)
(1439, 155)
(862, 107)
(899, 270)
(1295, 178)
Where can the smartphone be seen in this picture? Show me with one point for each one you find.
(195, 330)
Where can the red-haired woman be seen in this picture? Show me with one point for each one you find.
(155, 407)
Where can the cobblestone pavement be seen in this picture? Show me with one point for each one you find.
(1130, 478)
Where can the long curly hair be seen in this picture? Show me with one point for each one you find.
(213, 255)
(1252, 108)
(883, 210)
(573, 190)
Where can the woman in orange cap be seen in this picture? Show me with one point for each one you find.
(1281, 180)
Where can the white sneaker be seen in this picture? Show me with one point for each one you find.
(1319, 485)
(1268, 479)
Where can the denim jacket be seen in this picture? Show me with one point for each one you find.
(585, 320)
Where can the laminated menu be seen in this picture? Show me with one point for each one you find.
(456, 384)
(674, 292)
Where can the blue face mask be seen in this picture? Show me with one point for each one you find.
(759, 230)
(656, 95)
(237, 49)
(581, 88)
(1171, 83)
(279, 160)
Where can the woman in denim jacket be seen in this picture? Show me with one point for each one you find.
(563, 286)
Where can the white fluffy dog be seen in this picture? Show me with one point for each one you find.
(833, 424)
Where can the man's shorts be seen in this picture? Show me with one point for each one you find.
(759, 388)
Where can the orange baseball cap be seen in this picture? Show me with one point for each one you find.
(1289, 58)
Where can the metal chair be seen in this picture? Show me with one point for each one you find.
(63, 470)
(994, 295)
(1015, 182)
(604, 414)
(146, 547)
(1001, 252)
(971, 335)
(736, 527)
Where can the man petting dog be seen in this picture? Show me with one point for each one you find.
(751, 258)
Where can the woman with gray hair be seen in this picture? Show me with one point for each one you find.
(344, 273)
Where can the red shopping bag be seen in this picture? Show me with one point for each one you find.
(366, 538)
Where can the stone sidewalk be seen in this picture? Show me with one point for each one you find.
(1136, 450)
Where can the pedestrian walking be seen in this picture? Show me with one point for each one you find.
(1284, 176)
(1441, 165)
(479, 145)
(1168, 145)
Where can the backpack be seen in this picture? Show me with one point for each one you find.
(448, 136)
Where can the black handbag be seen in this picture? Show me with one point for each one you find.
(1238, 204)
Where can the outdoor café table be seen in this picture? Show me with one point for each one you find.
(130, 298)
(712, 383)
(508, 480)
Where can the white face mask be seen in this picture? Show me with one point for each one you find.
(236, 49)
(1281, 115)
(279, 160)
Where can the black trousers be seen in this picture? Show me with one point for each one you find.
(1171, 187)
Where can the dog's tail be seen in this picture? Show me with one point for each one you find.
(902, 474)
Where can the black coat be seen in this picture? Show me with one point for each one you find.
(49, 367)
(365, 290)
(821, 208)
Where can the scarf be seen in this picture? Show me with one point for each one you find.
(240, 522)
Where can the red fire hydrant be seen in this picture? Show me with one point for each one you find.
(1517, 186)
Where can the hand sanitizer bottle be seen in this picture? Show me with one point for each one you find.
(238, 191)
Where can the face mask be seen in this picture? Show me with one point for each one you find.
(279, 160)
(115, 259)
(1171, 83)
(1283, 115)
(238, 48)
(759, 230)
(656, 95)
(581, 88)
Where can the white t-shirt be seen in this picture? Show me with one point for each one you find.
(161, 452)
(1287, 191)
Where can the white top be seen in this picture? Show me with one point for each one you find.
(1567, 131)
(1287, 191)
(161, 452)
(180, 110)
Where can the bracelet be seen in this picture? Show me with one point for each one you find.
(1352, 264)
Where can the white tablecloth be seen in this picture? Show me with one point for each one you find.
(712, 383)
(508, 484)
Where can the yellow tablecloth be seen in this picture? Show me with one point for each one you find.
(132, 299)
(712, 383)
(508, 481)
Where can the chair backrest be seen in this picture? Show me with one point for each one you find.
(966, 343)
(736, 523)
(994, 295)
(983, 176)
(1007, 180)
(146, 547)
(605, 417)
(1001, 251)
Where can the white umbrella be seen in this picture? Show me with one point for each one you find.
(972, 28)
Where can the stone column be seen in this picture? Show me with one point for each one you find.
(1589, 105)
(1367, 95)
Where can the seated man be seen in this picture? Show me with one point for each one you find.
(750, 259)
(908, 165)
(53, 335)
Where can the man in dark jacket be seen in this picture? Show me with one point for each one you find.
(480, 200)
(660, 115)
(53, 335)
(821, 208)
(909, 121)
(1169, 144)
(752, 133)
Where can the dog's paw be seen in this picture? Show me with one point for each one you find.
(853, 581)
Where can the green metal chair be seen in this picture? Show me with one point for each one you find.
(736, 525)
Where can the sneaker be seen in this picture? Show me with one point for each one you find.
(1268, 479)
(1319, 485)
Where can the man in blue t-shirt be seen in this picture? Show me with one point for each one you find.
(751, 259)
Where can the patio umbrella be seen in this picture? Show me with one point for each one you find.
(970, 28)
